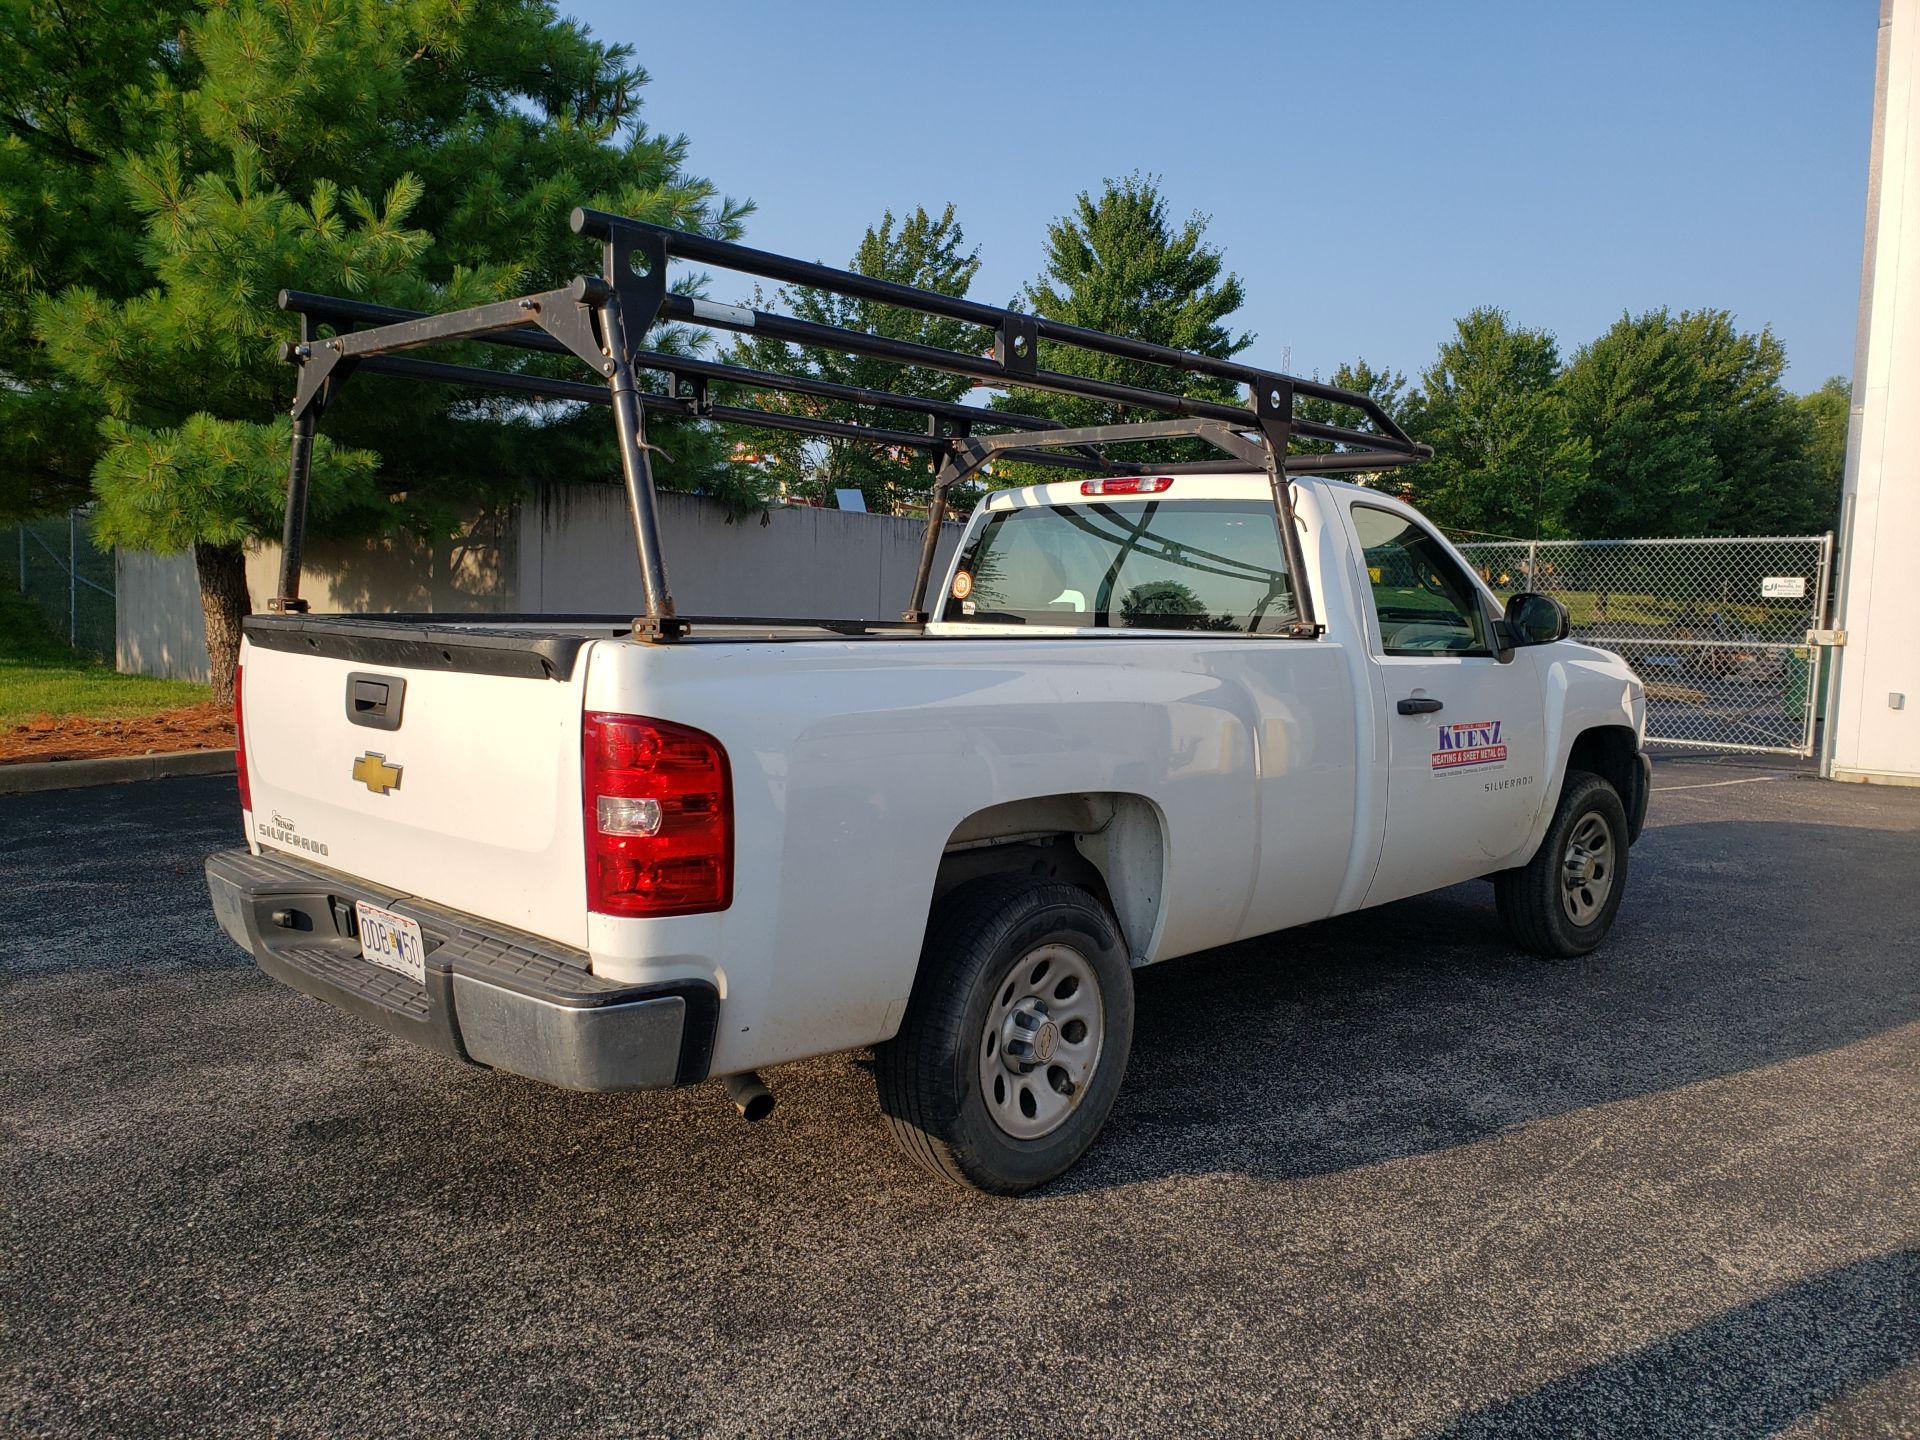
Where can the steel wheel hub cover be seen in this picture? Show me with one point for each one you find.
(1587, 870)
(1042, 1041)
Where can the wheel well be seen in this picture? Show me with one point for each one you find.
(1110, 845)
(1613, 753)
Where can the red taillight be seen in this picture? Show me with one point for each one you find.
(659, 817)
(240, 747)
(1128, 485)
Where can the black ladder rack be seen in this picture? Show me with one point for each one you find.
(602, 319)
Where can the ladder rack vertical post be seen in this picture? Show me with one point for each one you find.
(1273, 406)
(293, 532)
(637, 472)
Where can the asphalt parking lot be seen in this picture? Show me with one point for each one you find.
(1383, 1176)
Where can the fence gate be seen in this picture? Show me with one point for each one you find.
(67, 579)
(1716, 629)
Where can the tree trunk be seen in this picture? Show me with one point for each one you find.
(224, 603)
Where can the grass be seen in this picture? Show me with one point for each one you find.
(1662, 612)
(41, 675)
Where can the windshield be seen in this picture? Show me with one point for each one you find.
(1133, 564)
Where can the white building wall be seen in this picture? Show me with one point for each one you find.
(1874, 728)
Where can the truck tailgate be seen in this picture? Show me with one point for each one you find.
(444, 771)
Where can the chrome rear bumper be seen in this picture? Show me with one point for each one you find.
(492, 996)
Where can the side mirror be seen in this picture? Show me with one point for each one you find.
(1535, 619)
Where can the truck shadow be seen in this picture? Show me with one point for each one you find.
(1745, 1373)
(1418, 1027)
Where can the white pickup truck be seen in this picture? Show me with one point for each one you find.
(561, 851)
(1153, 713)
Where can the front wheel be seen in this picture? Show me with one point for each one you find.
(1016, 1037)
(1562, 902)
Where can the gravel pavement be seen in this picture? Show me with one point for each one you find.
(1382, 1176)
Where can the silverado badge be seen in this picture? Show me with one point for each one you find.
(376, 774)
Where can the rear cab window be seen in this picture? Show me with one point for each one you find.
(1134, 564)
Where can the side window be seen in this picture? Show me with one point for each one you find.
(1425, 602)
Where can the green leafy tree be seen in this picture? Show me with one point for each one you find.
(1638, 396)
(1118, 263)
(926, 251)
(1692, 432)
(1386, 388)
(1169, 605)
(1505, 460)
(406, 152)
(1828, 411)
(1761, 437)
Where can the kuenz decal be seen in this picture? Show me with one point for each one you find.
(1476, 742)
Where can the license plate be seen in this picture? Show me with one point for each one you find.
(392, 940)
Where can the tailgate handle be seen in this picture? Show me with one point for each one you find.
(375, 700)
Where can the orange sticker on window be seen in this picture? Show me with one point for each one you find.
(962, 585)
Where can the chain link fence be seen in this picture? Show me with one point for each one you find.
(1716, 629)
(56, 566)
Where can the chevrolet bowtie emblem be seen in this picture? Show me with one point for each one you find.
(376, 774)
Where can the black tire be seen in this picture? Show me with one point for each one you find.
(1533, 899)
(929, 1074)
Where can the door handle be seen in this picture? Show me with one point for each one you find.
(1418, 706)
(375, 700)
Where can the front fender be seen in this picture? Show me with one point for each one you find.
(1586, 689)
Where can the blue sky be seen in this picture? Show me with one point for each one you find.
(1372, 170)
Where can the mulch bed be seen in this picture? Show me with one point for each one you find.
(76, 737)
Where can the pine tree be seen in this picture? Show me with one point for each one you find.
(406, 152)
(1118, 264)
(925, 251)
(80, 85)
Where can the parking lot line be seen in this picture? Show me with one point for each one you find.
(1714, 784)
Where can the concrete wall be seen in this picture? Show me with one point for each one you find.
(1874, 728)
(157, 624)
(570, 550)
(577, 554)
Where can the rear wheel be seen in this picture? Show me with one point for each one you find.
(1015, 1039)
(1562, 902)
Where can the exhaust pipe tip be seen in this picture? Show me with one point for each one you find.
(750, 1097)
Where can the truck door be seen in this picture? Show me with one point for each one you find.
(1466, 731)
